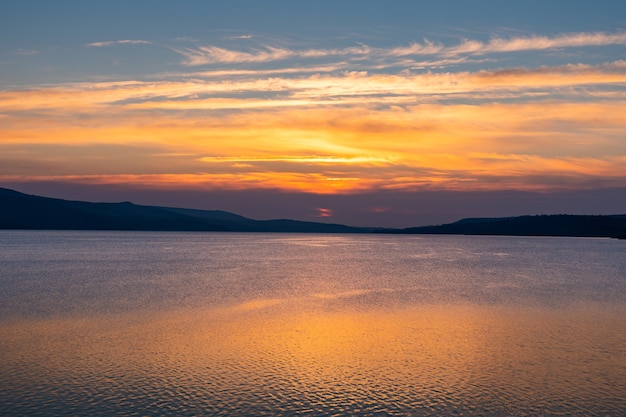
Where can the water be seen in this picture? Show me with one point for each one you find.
(125, 323)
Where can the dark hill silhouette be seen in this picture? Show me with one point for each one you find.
(540, 225)
(235, 222)
(23, 211)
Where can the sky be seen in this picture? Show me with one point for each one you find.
(366, 113)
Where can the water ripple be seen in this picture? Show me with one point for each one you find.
(228, 325)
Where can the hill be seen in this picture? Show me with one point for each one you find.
(23, 211)
(540, 225)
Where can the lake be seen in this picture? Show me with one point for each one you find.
(149, 323)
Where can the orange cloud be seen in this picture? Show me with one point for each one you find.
(348, 89)
(324, 212)
(540, 128)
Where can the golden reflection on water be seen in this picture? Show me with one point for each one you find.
(280, 356)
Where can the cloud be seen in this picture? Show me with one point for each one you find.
(186, 39)
(256, 73)
(350, 89)
(26, 52)
(337, 125)
(221, 91)
(205, 55)
(568, 40)
(306, 159)
(238, 37)
(257, 304)
(212, 55)
(351, 293)
(324, 212)
(119, 42)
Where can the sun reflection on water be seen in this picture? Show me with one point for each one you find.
(287, 357)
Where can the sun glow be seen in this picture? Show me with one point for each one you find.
(335, 130)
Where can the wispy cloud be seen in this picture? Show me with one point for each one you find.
(301, 159)
(119, 42)
(186, 39)
(204, 55)
(324, 212)
(257, 73)
(238, 37)
(545, 42)
(221, 91)
(215, 55)
(26, 52)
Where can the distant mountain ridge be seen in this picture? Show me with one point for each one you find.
(538, 225)
(24, 211)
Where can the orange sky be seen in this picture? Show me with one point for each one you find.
(327, 134)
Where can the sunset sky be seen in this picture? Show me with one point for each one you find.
(377, 113)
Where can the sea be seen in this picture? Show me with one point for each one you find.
(237, 324)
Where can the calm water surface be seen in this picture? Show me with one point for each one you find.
(125, 323)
